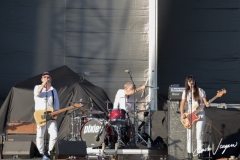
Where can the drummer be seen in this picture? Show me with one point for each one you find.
(124, 99)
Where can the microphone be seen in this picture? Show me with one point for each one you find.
(97, 138)
(127, 71)
(153, 87)
(99, 133)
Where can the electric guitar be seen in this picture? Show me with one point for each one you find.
(192, 117)
(41, 117)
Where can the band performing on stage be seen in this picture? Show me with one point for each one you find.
(119, 127)
(122, 124)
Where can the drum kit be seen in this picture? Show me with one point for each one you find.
(96, 131)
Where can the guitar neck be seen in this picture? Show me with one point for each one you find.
(63, 110)
(210, 101)
(199, 108)
(219, 94)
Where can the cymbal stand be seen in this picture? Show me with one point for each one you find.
(119, 140)
(107, 103)
(78, 124)
(135, 108)
(210, 142)
(139, 139)
(108, 111)
(74, 136)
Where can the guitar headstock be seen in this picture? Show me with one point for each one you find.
(220, 93)
(78, 105)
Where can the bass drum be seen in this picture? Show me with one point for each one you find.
(96, 132)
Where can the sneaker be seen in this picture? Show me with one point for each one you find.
(45, 157)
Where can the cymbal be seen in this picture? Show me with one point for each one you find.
(107, 101)
(82, 102)
(137, 102)
(91, 112)
(139, 111)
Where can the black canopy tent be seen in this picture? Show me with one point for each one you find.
(71, 87)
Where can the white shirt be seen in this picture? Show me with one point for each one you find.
(121, 100)
(40, 100)
(192, 104)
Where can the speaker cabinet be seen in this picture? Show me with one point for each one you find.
(65, 149)
(19, 149)
(21, 137)
(177, 134)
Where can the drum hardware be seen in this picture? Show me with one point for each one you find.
(90, 112)
(140, 139)
(119, 133)
(136, 137)
(108, 103)
(75, 121)
(137, 102)
(82, 102)
(140, 126)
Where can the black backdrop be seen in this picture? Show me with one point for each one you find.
(105, 38)
(199, 38)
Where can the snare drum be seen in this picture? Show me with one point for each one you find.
(117, 116)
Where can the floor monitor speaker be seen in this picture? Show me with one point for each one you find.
(19, 149)
(66, 149)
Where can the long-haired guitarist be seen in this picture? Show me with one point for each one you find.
(44, 96)
(194, 96)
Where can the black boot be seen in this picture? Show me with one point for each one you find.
(190, 155)
(200, 156)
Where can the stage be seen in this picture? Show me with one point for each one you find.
(134, 153)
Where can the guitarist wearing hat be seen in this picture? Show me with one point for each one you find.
(194, 96)
(44, 96)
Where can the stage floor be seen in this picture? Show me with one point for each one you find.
(134, 153)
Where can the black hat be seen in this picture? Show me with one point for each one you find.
(46, 73)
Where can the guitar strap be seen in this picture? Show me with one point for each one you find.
(200, 100)
(53, 97)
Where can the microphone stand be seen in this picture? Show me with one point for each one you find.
(46, 116)
(135, 110)
(210, 142)
(100, 131)
(191, 102)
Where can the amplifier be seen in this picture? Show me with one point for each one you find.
(175, 93)
(21, 137)
(21, 128)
